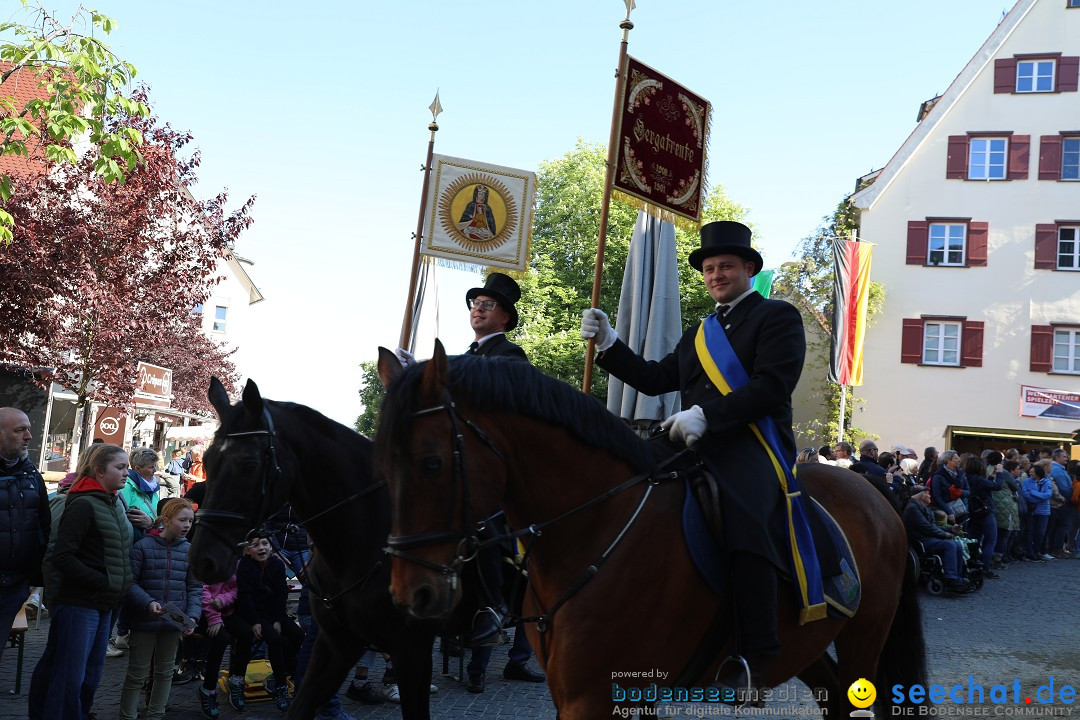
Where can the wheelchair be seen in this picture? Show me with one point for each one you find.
(928, 569)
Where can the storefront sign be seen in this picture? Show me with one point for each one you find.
(1051, 404)
(110, 426)
(154, 382)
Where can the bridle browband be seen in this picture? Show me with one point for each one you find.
(469, 545)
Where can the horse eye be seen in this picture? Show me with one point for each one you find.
(432, 464)
(248, 466)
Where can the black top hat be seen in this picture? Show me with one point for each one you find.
(725, 237)
(502, 288)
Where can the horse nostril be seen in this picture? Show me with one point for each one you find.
(424, 600)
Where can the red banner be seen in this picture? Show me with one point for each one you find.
(662, 134)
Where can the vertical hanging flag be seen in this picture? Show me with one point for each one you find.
(851, 291)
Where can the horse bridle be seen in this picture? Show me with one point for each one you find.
(469, 545)
(271, 472)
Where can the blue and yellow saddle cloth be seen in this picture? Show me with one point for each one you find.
(723, 367)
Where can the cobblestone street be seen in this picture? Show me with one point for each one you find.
(1018, 627)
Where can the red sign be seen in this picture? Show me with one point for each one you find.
(661, 143)
(110, 426)
(154, 381)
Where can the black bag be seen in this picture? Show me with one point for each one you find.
(978, 507)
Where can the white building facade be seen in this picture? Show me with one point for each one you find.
(976, 219)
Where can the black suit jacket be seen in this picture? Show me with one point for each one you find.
(499, 346)
(768, 338)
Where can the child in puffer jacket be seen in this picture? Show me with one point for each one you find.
(160, 575)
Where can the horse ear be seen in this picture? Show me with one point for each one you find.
(389, 366)
(218, 397)
(253, 401)
(436, 373)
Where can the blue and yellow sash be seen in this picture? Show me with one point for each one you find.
(727, 373)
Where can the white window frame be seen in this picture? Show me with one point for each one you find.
(1036, 65)
(983, 146)
(220, 325)
(1066, 352)
(1075, 151)
(950, 256)
(936, 334)
(1074, 254)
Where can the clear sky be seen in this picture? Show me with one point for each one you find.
(320, 109)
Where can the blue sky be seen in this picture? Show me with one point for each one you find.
(320, 109)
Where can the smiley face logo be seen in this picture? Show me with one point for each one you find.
(862, 693)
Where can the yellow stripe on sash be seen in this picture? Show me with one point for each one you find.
(808, 612)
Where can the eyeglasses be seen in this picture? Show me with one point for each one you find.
(477, 303)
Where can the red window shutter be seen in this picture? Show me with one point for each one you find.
(1046, 246)
(1068, 73)
(971, 344)
(1050, 157)
(911, 341)
(1019, 156)
(918, 235)
(956, 165)
(976, 243)
(1005, 75)
(1042, 348)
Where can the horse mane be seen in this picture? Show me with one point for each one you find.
(499, 384)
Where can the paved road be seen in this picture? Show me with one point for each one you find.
(1025, 626)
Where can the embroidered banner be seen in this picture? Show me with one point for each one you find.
(662, 135)
(479, 213)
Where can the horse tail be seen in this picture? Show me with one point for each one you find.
(903, 659)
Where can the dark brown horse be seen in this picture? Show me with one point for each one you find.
(268, 453)
(610, 576)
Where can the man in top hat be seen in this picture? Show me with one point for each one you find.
(492, 314)
(768, 341)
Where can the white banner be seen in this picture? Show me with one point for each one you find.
(1052, 404)
(479, 213)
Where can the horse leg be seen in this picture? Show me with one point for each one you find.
(412, 663)
(324, 675)
(820, 677)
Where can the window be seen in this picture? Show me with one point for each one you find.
(1043, 72)
(1067, 350)
(1055, 348)
(947, 243)
(219, 318)
(1057, 245)
(1035, 76)
(1068, 248)
(986, 158)
(1073, 3)
(1070, 158)
(942, 342)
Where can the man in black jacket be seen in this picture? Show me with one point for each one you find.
(25, 520)
(767, 340)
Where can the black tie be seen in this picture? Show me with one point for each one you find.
(723, 310)
(473, 348)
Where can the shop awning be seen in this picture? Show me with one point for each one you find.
(1026, 436)
(191, 432)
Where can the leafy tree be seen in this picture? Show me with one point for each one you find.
(194, 358)
(103, 274)
(79, 89)
(371, 395)
(558, 284)
(808, 283)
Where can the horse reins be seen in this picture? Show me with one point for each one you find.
(469, 545)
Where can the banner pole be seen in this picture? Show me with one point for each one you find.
(843, 410)
(609, 180)
(406, 325)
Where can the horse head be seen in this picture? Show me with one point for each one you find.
(426, 440)
(244, 481)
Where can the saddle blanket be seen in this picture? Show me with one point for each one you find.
(843, 592)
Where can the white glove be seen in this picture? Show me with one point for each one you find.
(405, 357)
(594, 323)
(688, 425)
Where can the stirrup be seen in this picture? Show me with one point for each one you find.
(739, 659)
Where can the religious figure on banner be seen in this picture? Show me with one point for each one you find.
(477, 221)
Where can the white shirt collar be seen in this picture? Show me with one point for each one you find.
(731, 305)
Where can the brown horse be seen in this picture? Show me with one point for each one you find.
(612, 587)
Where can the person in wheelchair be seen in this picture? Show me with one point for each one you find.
(919, 521)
